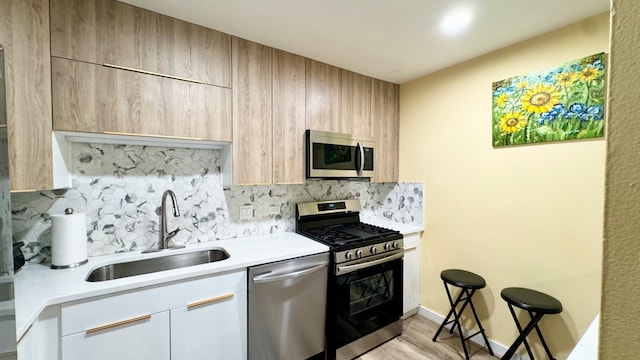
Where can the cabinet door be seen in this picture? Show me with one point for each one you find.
(24, 33)
(146, 339)
(94, 98)
(323, 96)
(111, 32)
(27, 346)
(356, 104)
(252, 127)
(215, 329)
(411, 273)
(288, 117)
(385, 103)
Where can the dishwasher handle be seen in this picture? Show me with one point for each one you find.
(266, 278)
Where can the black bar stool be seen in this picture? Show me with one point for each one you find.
(468, 283)
(537, 304)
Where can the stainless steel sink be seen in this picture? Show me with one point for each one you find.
(146, 266)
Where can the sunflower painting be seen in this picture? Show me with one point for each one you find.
(561, 103)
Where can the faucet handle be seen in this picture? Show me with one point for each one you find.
(173, 233)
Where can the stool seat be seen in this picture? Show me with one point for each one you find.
(537, 304)
(463, 279)
(533, 300)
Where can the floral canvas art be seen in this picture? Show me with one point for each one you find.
(561, 103)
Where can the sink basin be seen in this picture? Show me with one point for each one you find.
(146, 266)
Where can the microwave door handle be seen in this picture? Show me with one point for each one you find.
(361, 165)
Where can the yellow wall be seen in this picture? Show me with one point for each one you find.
(529, 216)
(621, 265)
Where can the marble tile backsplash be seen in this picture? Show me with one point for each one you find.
(119, 188)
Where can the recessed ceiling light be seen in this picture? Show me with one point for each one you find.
(456, 20)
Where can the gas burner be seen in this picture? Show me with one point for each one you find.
(328, 235)
(337, 224)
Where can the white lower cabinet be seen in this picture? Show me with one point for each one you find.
(144, 338)
(202, 318)
(27, 345)
(411, 274)
(41, 341)
(215, 329)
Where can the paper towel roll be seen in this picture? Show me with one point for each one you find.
(68, 240)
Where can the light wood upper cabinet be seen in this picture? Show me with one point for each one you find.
(93, 98)
(269, 115)
(356, 104)
(338, 100)
(252, 127)
(385, 111)
(324, 91)
(24, 33)
(111, 32)
(288, 117)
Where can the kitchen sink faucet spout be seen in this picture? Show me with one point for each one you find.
(165, 236)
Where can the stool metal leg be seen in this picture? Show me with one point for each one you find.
(544, 343)
(522, 338)
(519, 327)
(475, 315)
(456, 316)
(464, 296)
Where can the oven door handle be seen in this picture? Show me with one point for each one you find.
(342, 269)
(266, 278)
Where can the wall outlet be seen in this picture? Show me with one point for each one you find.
(246, 212)
(274, 210)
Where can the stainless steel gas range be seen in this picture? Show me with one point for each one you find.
(364, 295)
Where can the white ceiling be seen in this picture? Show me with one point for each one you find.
(393, 40)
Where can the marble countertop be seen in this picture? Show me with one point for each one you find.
(38, 286)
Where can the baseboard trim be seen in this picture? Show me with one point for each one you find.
(498, 349)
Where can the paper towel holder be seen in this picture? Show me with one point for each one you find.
(69, 211)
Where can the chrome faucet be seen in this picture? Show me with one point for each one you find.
(165, 236)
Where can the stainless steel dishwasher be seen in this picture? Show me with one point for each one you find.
(287, 305)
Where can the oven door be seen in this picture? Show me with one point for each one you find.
(366, 297)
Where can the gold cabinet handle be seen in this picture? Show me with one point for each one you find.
(409, 249)
(211, 300)
(22, 191)
(150, 135)
(119, 323)
(152, 73)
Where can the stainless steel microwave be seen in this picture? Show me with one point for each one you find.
(334, 155)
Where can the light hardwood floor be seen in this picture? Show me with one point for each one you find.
(415, 344)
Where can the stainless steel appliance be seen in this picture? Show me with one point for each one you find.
(365, 280)
(333, 155)
(7, 309)
(287, 303)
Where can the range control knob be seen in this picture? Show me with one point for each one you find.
(358, 253)
(374, 250)
(348, 255)
(395, 244)
(387, 246)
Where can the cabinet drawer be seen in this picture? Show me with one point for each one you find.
(83, 315)
(144, 339)
(411, 241)
(220, 325)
